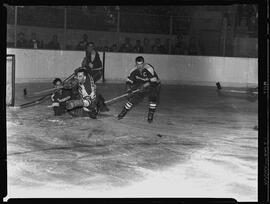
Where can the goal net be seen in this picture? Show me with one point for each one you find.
(10, 80)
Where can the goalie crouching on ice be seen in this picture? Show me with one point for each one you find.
(84, 101)
(142, 77)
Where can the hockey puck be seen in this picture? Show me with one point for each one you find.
(159, 135)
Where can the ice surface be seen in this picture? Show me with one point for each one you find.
(200, 144)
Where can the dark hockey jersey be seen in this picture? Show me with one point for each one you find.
(60, 96)
(136, 78)
(97, 64)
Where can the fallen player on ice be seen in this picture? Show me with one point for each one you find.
(78, 96)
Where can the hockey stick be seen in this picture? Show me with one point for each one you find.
(236, 91)
(35, 102)
(120, 97)
(33, 96)
(53, 89)
(113, 100)
(47, 90)
(124, 95)
(43, 98)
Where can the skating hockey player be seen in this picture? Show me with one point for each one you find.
(92, 62)
(59, 98)
(142, 77)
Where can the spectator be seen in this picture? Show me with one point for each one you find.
(138, 48)
(245, 11)
(54, 44)
(167, 47)
(92, 61)
(146, 46)
(70, 47)
(180, 47)
(193, 47)
(99, 48)
(157, 47)
(253, 26)
(21, 42)
(34, 43)
(242, 29)
(113, 48)
(82, 44)
(41, 44)
(106, 49)
(162, 49)
(126, 47)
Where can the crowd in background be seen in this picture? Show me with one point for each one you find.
(157, 47)
(186, 32)
(35, 43)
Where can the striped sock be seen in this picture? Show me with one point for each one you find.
(152, 106)
(128, 105)
(125, 109)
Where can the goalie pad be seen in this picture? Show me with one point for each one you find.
(74, 104)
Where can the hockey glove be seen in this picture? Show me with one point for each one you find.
(144, 87)
(129, 91)
(91, 65)
(153, 79)
(93, 95)
(74, 104)
(79, 69)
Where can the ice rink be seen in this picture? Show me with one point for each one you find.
(200, 144)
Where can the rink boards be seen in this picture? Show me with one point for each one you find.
(44, 65)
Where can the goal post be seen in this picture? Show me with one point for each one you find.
(10, 80)
(103, 66)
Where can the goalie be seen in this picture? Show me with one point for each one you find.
(142, 77)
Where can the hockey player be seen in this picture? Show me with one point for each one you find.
(142, 77)
(59, 98)
(92, 62)
(85, 104)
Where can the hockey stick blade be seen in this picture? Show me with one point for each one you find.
(32, 103)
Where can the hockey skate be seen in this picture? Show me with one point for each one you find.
(122, 113)
(93, 114)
